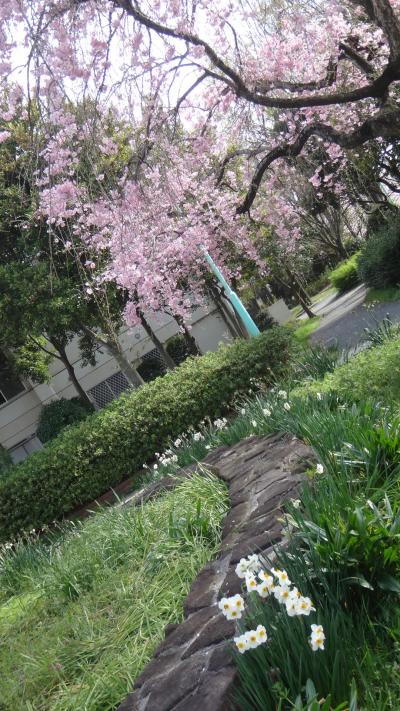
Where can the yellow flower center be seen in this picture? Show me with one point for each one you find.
(226, 606)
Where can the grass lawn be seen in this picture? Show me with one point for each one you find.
(303, 332)
(80, 617)
(328, 291)
(375, 296)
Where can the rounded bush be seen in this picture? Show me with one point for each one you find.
(345, 276)
(58, 414)
(379, 263)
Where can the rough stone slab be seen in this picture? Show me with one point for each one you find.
(192, 669)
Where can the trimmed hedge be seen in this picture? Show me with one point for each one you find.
(85, 460)
(345, 276)
(59, 414)
(372, 374)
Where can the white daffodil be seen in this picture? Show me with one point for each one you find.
(317, 630)
(242, 568)
(242, 644)
(286, 406)
(254, 564)
(266, 412)
(295, 594)
(177, 442)
(261, 633)
(155, 467)
(266, 578)
(291, 607)
(254, 423)
(198, 436)
(319, 396)
(243, 411)
(320, 469)
(281, 575)
(237, 602)
(225, 604)
(233, 614)
(252, 639)
(282, 393)
(304, 606)
(281, 593)
(317, 643)
(251, 583)
(263, 589)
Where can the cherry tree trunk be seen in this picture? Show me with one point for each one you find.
(191, 343)
(169, 362)
(71, 371)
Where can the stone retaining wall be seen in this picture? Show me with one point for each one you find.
(191, 670)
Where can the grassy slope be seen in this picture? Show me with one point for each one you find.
(91, 608)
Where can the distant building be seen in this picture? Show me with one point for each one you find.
(21, 401)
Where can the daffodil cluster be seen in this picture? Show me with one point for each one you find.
(251, 639)
(232, 607)
(275, 583)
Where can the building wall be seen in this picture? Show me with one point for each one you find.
(19, 417)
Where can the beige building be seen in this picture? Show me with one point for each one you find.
(21, 401)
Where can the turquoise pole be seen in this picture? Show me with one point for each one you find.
(233, 298)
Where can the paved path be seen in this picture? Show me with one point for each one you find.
(344, 319)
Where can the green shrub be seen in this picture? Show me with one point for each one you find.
(5, 460)
(379, 263)
(371, 374)
(58, 414)
(264, 321)
(177, 348)
(89, 458)
(151, 369)
(345, 276)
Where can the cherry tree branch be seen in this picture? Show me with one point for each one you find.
(385, 124)
(380, 11)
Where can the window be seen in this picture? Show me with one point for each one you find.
(21, 450)
(10, 385)
(109, 389)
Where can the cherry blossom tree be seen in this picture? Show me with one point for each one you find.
(224, 74)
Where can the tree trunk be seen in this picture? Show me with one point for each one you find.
(71, 371)
(190, 340)
(239, 325)
(302, 295)
(112, 344)
(169, 362)
(224, 313)
(126, 368)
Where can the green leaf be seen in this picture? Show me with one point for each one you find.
(387, 582)
(311, 691)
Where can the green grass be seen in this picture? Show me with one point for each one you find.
(382, 296)
(303, 332)
(328, 291)
(82, 615)
(371, 374)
